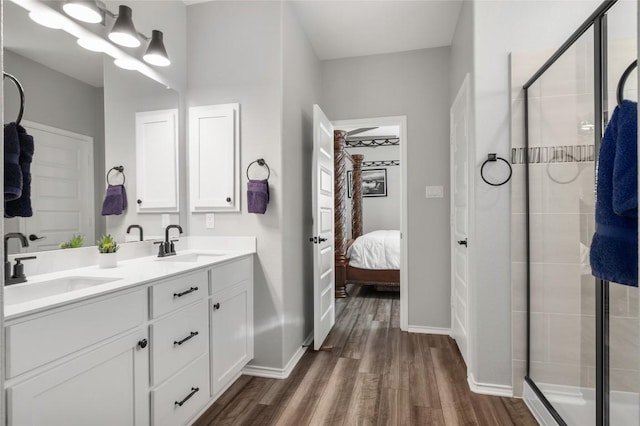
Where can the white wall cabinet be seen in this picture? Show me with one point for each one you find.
(106, 386)
(113, 361)
(157, 161)
(214, 158)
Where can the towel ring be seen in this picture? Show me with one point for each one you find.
(117, 169)
(623, 81)
(262, 163)
(21, 90)
(493, 158)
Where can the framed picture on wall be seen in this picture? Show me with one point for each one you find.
(374, 183)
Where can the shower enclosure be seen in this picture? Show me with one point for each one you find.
(582, 333)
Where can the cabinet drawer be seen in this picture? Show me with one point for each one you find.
(177, 292)
(178, 339)
(166, 399)
(44, 339)
(227, 275)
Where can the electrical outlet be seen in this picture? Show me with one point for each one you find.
(165, 220)
(209, 219)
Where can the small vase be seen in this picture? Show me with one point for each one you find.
(108, 260)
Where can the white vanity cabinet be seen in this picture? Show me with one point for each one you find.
(231, 308)
(156, 354)
(83, 364)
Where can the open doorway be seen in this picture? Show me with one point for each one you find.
(375, 220)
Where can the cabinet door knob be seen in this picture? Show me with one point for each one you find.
(228, 199)
(216, 306)
(143, 343)
(139, 201)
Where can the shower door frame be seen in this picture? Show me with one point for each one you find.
(597, 20)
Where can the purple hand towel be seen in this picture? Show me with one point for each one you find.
(115, 200)
(258, 195)
(22, 206)
(12, 171)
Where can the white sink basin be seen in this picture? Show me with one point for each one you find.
(192, 257)
(20, 293)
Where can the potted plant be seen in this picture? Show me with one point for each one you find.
(75, 242)
(108, 248)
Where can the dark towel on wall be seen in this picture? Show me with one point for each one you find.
(22, 206)
(115, 200)
(12, 171)
(257, 195)
(614, 249)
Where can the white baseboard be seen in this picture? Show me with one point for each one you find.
(489, 388)
(428, 330)
(279, 373)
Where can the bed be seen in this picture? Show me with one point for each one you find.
(370, 259)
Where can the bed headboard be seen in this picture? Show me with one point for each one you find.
(341, 156)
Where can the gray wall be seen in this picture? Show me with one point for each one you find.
(380, 212)
(500, 28)
(415, 84)
(235, 55)
(46, 91)
(301, 77)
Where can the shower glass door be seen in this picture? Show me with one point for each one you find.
(561, 225)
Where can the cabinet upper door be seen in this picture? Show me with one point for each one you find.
(157, 161)
(214, 158)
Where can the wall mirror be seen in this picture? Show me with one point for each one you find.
(81, 110)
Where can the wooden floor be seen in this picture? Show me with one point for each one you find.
(375, 375)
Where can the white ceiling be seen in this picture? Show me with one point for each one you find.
(348, 28)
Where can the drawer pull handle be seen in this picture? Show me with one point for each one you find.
(216, 306)
(186, 398)
(190, 336)
(191, 290)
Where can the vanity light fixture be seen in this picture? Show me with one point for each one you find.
(47, 19)
(124, 32)
(127, 64)
(156, 53)
(94, 44)
(83, 10)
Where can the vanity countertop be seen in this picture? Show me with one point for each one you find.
(128, 274)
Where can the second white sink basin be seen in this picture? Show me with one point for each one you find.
(20, 293)
(192, 257)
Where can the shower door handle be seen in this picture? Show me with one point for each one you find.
(463, 242)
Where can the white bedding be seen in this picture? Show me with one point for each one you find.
(376, 250)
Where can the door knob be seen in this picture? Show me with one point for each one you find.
(34, 237)
(463, 242)
(313, 240)
(322, 240)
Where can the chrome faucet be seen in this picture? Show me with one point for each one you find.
(18, 269)
(139, 228)
(166, 247)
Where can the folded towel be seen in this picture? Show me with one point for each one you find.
(22, 206)
(115, 200)
(614, 249)
(258, 196)
(12, 171)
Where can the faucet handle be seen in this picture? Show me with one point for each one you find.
(18, 259)
(161, 248)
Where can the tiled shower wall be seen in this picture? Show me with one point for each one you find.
(562, 206)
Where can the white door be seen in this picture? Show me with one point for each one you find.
(323, 238)
(106, 386)
(214, 158)
(61, 189)
(460, 218)
(157, 161)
